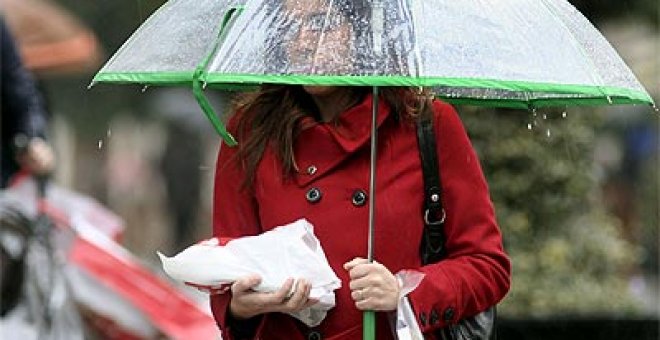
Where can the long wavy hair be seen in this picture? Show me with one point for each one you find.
(272, 117)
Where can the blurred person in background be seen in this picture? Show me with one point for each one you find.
(23, 116)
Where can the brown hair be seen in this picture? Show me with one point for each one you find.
(272, 117)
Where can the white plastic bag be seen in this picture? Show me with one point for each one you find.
(289, 251)
(405, 326)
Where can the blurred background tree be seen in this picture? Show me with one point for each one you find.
(568, 254)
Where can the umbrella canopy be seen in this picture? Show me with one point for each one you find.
(170, 45)
(50, 39)
(517, 53)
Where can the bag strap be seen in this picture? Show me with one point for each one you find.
(432, 248)
(433, 242)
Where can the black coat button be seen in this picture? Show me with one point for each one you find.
(359, 198)
(422, 318)
(313, 195)
(314, 335)
(449, 314)
(433, 317)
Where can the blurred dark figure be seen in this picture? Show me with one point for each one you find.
(180, 164)
(23, 116)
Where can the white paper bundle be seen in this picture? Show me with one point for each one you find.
(289, 251)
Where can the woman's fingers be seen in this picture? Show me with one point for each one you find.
(373, 286)
(282, 294)
(355, 262)
(244, 284)
(247, 303)
(300, 296)
(310, 303)
(244, 304)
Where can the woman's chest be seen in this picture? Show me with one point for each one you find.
(331, 190)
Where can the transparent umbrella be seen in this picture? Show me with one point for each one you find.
(515, 53)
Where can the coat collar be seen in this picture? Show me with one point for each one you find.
(322, 146)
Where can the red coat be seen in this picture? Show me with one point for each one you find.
(335, 160)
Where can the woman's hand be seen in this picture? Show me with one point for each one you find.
(246, 303)
(38, 157)
(373, 287)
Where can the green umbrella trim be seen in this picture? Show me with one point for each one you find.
(145, 78)
(575, 94)
(588, 95)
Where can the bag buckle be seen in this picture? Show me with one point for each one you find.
(440, 221)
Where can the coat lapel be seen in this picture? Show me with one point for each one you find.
(322, 146)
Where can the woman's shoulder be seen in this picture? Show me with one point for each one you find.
(445, 114)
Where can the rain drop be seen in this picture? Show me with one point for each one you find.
(545, 116)
(529, 126)
(100, 144)
(144, 89)
(547, 133)
(109, 134)
(609, 100)
(655, 108)
(563, 114)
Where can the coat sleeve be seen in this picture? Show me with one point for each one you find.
(235, 214)
(23, 109)
(476, 272)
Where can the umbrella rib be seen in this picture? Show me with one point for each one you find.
(322, 36)
(418, 54)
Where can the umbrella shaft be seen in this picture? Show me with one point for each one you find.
(372, 175)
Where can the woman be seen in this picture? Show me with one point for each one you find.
(304, 152)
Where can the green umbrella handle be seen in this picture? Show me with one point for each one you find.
(369, 326)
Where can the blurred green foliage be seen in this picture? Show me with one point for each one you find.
(649, 213)
(568, 254)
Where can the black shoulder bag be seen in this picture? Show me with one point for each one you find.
(482, 325)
